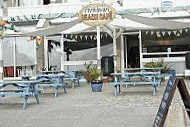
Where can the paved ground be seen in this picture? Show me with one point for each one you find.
(80, 107)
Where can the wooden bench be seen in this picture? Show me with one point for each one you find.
(22, 89)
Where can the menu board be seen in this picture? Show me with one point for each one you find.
(184, 95)
(166, 101)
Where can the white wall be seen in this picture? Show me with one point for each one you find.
(31, 2)
(43, 9)
(130, 4)
(1, 12)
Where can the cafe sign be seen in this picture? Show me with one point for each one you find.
(97, 14)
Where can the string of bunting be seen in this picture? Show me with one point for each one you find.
(86, 37)
(41, 16)
(169, 32)
(39, 40)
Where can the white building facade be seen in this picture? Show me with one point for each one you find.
(29, 12)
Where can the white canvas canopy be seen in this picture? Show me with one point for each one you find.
(129, 22)
(158, 23)
(78, 28)
(53, 30)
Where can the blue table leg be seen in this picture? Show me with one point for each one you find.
(36, 94)
(115, 92)
(155, 90)
(73, 85)
(56, 91)
(64, 87)
(25, 102)
(78, 82)
(119, 88)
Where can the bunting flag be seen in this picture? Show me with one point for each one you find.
(178, 34)
(175, 32)
(101, 35)
(38, 41)
(106, 34)
(86, 37)
(91, 36)
(147, 32)
(3, 32)
(163, 33)
(169, 32)
(76, 37)
(180, 31)
(71, 36)
(152, 32)
(66, 35)
(186, 30)
(94, 38)
(158, 34)
(81, 36)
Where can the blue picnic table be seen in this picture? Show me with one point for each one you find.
(25, 77)
(52, 80)
(141, 76)
(23, 89)
(70, 75)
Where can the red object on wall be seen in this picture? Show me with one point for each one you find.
(2, 23)
(8, 71)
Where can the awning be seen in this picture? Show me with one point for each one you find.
(130, 22)
(78, 28)
(54, 29)
(158, 23)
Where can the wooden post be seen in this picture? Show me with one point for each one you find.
(62, 53)
(122, 53)
(140, 47)
(45, 52)
(98, 48)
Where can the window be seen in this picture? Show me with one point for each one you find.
(46, 2)
(85, 0)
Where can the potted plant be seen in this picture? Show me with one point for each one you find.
(159, 64)
(165, 68)
(95, 79)
(93, 76)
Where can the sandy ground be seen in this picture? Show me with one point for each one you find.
(80, 107)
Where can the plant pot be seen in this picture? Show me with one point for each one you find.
(96, 86)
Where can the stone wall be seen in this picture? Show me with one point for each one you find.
(40, 59)
(118, 42)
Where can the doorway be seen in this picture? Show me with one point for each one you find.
(131, 51)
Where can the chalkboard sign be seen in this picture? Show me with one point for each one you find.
(184, 95)
(166, 101)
